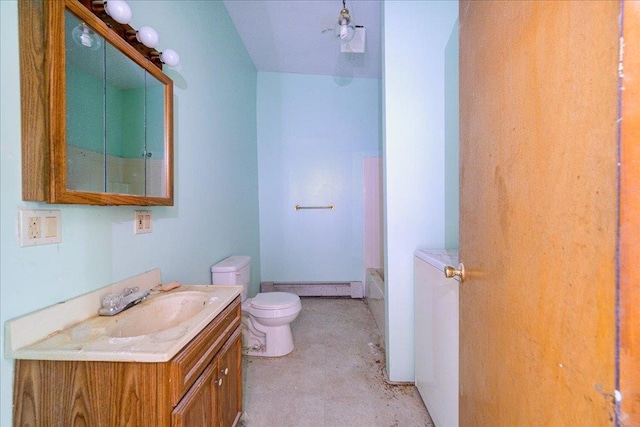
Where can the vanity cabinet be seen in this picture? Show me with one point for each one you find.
(215, 398)
(199, 386)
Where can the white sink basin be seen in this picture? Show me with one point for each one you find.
(153, 331)
(159, 314)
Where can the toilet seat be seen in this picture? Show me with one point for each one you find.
(275, 300)
(273, 305)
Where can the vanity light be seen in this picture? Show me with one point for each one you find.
(119, 10)
(170, 57)
(119, 15)
(147, 36)
(347, 28)
(84, 36)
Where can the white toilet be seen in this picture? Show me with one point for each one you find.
(266, 318)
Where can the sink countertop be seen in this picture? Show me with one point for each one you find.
(88, 340)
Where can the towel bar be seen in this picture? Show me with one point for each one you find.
(298, 207)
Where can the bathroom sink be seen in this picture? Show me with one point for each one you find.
(154, 330)
(159, 314)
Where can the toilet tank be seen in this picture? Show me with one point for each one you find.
(234, 270)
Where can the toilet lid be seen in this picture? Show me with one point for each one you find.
(275, 300)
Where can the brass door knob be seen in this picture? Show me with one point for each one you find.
(450, 272)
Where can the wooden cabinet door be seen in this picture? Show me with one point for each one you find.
(71, 393)
(230, 386)
(198, 407)
(215, 399)
(538, 114)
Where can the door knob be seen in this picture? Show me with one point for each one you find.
(450, 271)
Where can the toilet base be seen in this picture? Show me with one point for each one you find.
(276, 341)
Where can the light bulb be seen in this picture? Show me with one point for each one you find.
(344, 31)
(347, 28)
(170, 57)
(148, 36)
(84, 36)
(119, 10)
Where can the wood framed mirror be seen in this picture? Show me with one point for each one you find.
(97, 113)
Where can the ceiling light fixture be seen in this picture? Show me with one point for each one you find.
(84, 36)
(347, 28)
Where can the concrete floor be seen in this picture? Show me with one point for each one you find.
(334, 377)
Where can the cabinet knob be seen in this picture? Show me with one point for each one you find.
(225, 371)
(219, 382)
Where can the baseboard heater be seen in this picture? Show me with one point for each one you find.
(316, 289)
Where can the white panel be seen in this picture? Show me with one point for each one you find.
(372, 213)
(414, 159)
(436, 342)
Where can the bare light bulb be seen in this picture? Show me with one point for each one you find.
(344, 31)
(119, 10)
(347, 28)
(148, 36)
(84, 36)
(170, 57)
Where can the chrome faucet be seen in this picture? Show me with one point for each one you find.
(115, 303)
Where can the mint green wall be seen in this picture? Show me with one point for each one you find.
(154, 109)
(216, 181)
(85, 109)
(126, 112)
(119, 122)
(85, 115)
(313, 135)
(452, 141)
(131, 121)
(414, 158)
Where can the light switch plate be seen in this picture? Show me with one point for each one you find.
(39, 227)
(142, 222)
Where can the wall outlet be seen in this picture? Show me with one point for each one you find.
(33, 225)
(142, 222)
(39, 227)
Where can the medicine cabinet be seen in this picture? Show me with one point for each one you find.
(97, 113)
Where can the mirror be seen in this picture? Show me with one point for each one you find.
(110, 117)
(115, 110)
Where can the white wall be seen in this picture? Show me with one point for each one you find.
(216, 181)
(452, 141)
(313, 135)
(414, 38)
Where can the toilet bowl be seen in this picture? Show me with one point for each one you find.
(270, 315)
(266, 318)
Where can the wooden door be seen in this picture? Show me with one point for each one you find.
(538, 122)
(630, 221)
